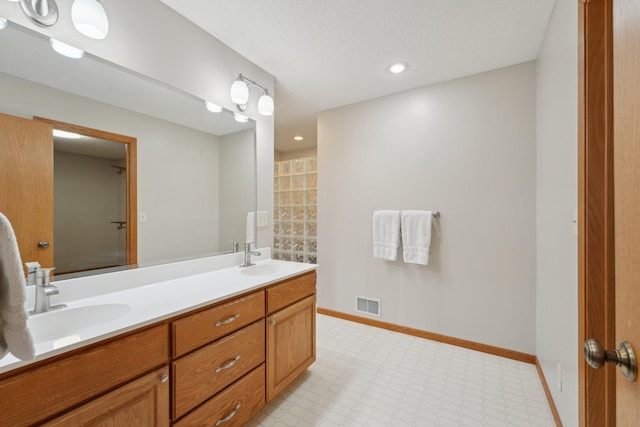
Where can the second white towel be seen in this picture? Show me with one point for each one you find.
(416, 236)
(386, 234)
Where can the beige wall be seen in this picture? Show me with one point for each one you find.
(557, 269)
(466, 148)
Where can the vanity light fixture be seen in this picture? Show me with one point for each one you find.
(66, 50)
(41, 12)
(90, 19)
(298, 138)
(240, 118)
(3, 23)
(398, 67)
(214, 108)
(239, 93)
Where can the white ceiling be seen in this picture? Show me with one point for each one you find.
(335, 52)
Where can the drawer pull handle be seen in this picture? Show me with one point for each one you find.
(229, 320)
(164, 378)
(229, 364)
(228, 417)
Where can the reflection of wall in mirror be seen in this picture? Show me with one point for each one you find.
(177, 167)
(237, 174)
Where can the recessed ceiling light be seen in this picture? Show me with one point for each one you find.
(64, 134)
(66, 50)
(398, 67)
(298, 138)
(214, 108)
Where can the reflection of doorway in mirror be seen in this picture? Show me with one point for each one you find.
(295, 216)
(95, 206)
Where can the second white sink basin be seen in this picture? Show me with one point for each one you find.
(272, 268)
(70, 322)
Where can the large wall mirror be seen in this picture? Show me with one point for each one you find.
(195, 171)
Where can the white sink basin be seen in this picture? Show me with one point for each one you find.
(65, 325)
(269, 269)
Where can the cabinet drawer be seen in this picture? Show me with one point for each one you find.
(235, 405)
(290, 291)
(49, 389)
(205, 372)
(201, 328)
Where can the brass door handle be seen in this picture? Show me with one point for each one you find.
(624, 357)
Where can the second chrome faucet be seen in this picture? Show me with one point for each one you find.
(40, 278)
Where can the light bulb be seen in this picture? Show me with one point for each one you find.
(265, 105)
(90, 19)
(239, 92)
(398, 67)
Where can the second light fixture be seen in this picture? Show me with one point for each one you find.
(240, 95)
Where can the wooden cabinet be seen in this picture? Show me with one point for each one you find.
(291, 333)
(225, 361)
(205, 372)
(55, 386)
(142, 403)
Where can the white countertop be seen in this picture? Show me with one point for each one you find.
(142, 303)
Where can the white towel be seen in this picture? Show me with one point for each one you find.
(416, 236)
(251, 228)
(386, 234)
(15, 336)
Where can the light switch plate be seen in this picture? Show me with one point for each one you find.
(263, 219)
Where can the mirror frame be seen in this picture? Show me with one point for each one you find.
(131, 177)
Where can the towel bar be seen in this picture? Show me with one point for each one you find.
(435, 214)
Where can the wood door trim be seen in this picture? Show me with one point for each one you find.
(471, 345)
(596, 280)
(132, 177)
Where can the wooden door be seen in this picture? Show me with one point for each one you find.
(291, 344)
(26, 184)
(626, 147)
(143, 403)
(609, 194)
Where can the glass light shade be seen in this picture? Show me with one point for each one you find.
(66, 50)
(239, 92)
(3, 23)
(214, 108)
(240, 118)
(265, 105)
(90, 19)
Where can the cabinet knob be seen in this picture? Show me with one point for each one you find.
(273, 322)
(164, 378)
(43, 244)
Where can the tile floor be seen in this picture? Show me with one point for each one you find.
(366, 376)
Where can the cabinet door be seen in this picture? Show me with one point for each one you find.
(141, 403)
(291, 344)
(26, 192)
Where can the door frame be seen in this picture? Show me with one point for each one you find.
(131, 176)
(596, 273)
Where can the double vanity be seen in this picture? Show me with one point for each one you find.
(208, 345)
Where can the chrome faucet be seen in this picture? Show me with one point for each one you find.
(247, 255)
(40, 277)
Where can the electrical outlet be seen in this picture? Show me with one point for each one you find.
(559, 377)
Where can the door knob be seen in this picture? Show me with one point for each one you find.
(623, 357)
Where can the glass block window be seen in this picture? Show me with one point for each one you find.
(294, 232)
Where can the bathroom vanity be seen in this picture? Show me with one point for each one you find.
(217, 363)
